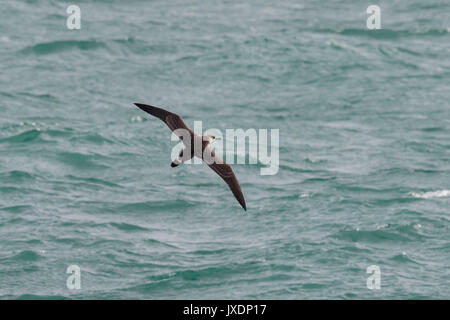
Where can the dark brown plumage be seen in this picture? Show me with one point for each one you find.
(224, 170)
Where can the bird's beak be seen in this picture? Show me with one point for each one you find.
(218, 139)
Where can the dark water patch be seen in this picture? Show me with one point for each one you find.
(387, 34)
(211, 252)
(132, 263)
(214, 273)
(18, 220)
(434, 129)
(28, 269)
(17, 176)
(391, 201)
(314, 286)
(27, 255)
(7, 94)
(62, 45)
(208, 275)
(319, 179)
(56, 133)
(23, 137)
(350, 295)
(429, 171)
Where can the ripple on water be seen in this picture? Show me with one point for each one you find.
(40, 297)
(391, 233)
(24, 137)
(127, 227)
(57, 46)
(17, 209)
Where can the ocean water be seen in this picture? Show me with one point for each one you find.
(364, 174)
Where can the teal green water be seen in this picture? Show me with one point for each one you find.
(364, 179)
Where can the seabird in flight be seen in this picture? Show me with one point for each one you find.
(191, 139)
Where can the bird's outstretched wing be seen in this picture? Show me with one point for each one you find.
(226, 173)
(172, 120)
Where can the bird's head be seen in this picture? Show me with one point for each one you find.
(211, 138)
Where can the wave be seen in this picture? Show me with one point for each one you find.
(94, 181)
(207, 275)
(431, 194)
(27, 255)
(26, 136)
(386, 34)
(131, 44)
(17, 175)
(17, 208)
(155, 242)
(391, 233)
(403, 257)
(63, 45)
(127, 227)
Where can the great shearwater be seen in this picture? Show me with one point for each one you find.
(197, 146)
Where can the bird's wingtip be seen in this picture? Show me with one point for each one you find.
(141, 106)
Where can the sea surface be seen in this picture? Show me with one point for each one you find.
(364, 151)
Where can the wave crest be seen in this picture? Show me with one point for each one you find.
(431, 194)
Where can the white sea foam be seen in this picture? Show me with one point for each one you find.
(431, 194)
